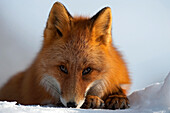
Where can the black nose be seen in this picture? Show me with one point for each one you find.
(71, 104)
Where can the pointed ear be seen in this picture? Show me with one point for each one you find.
(58, 21)
(102, 24)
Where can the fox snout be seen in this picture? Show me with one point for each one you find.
(72, 103)
(71, 94)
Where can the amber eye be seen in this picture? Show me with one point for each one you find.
(63, 69)
(86, 71)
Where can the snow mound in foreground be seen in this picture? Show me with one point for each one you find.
(154, 98)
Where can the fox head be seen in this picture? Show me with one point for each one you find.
(74, 53)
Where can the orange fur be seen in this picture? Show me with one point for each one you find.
(76, 43)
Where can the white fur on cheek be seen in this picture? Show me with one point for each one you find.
(51, 85)
(89, 86)
(96, 88)
(63, 101)
(80, 103)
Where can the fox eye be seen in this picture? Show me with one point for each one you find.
(63, 69)
(86, 71)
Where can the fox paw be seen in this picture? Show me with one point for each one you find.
(93, 102)
(117, 102)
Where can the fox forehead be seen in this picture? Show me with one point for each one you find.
(77, 53)
(80, 30)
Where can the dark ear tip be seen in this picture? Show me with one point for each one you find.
(57, 3)
(59, 6)
(107, 9)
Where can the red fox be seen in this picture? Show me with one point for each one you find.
(77, 66)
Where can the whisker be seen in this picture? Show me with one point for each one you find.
(51, 85)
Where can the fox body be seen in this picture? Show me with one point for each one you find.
(78, 66)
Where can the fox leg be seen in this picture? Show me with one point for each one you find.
(93, 102)
(117, 100)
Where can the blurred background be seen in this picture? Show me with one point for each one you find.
(141, 31)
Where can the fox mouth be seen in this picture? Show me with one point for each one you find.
(71, 104)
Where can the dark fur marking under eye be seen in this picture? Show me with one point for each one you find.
(59, 33)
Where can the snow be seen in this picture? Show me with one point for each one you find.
(152, 99)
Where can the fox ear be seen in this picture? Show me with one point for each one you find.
(102, 24)
(58, 21)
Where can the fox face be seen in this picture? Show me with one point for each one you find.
(73, 54)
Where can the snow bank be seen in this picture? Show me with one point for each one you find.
(154, 98)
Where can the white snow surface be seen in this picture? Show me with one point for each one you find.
(152, 99)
